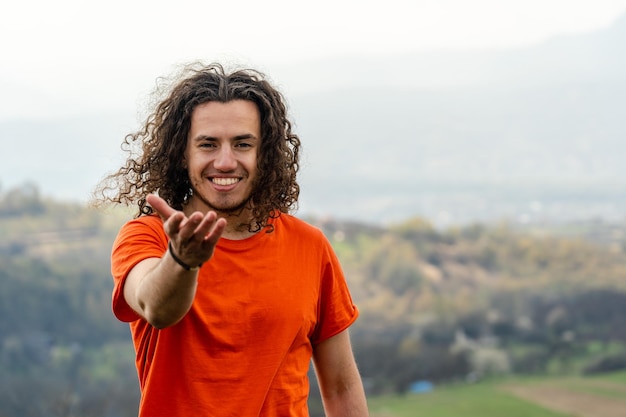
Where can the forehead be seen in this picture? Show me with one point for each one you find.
(234, 111)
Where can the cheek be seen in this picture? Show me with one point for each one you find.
(195, 166)
(254, 163)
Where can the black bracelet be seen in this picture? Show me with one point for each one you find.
(179, 261)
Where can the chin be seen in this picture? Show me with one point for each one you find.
(222, 204)
(231, 207)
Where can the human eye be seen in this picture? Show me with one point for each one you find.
(245, 142)
(206, 144)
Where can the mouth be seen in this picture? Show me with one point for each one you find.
(225, 181)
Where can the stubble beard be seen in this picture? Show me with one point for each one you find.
(228, 210)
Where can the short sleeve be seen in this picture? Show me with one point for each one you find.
(337, 311)
(137, 240)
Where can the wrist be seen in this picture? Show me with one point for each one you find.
(179, 261)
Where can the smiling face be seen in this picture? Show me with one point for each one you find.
(221, 156)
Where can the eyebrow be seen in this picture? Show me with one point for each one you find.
(245, 136)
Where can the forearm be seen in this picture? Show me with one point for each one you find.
(339, 379)
(161, 291)
(348, 403)
(346, 399)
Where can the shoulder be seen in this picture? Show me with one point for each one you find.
(298, 234)
(291, 224)
(151, 221)
(144, 225)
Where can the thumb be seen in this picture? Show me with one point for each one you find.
(160, 206)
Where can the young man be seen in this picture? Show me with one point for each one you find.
(228, 296)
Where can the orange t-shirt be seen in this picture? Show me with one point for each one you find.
(245, 346)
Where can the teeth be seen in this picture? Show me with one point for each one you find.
(225, 181)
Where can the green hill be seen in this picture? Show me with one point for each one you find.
(443, 305)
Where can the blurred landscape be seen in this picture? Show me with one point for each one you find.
(456, 307)
(476, 199)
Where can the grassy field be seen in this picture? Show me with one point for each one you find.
(547, 397)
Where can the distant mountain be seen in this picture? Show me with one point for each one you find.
(531, 134)
(475, 135)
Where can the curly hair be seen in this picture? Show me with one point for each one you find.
(155, 161)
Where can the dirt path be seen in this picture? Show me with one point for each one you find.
(561, 398)
(611, 386)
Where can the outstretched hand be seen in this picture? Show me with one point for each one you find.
(193, 238)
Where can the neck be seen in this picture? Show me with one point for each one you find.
(237, 231)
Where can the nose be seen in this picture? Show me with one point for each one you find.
(225, 159)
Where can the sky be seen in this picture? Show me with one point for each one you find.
(65, 57)
(65, 61)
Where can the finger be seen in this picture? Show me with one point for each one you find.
(215, 233)
(173, 224)
(211, 238)
(189, 227)
(160, 206)
(204, 225)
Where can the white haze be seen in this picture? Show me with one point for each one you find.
(454, 110)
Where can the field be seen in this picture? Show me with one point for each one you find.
(548, 397)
